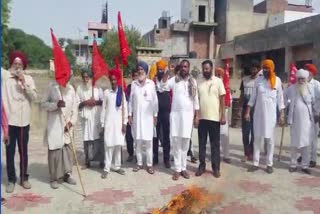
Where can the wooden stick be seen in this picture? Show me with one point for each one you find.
(122, 104)
(281, 143)
(73, 150)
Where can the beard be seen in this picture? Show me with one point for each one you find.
(16, 72)
(302, 89)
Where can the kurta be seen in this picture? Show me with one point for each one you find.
(90, 116)
(57, 118)
(300, 116)
(143, 107)
(111, 119)
(265, 102)
(183, 107)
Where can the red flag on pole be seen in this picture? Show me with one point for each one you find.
(61, 65)
(120, 73)
(124, 47)
(99, 67)
(226, 82)
(292, 75)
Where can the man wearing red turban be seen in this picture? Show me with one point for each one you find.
(315, 85)
(18, 92)
(266, 97)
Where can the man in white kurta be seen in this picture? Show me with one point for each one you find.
(114, 118)
(184, 110)
(266, 97)
(89, 112)
(143, 112)
(61, 105)
(300, 99)
(315, 86)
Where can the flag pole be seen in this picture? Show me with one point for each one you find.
(122, 103)
(73, 148)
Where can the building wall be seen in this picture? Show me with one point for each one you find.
(201, 43)
(172, 43)
(220, 17)
(186, 14)
(302, 52)
(241, 19)
(287, 16)
(190, 10)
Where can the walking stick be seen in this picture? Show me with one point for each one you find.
(74, 152)
(281, 143)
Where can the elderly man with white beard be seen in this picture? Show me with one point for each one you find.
(301, 100)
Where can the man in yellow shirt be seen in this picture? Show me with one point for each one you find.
(212, 114)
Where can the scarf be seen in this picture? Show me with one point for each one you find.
(191, 85)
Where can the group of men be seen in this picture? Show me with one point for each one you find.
(163, 109)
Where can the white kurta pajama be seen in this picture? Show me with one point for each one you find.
(143, 107)
(59, 151)
(300, 119)
(181, 120)
(315, 85)
(112, 122)
(90, 122)
(265, 102)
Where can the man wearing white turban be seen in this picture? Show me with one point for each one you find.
(301, 101)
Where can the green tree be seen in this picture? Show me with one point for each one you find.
(67, 45)
(36, 50)
(110, 47)
(5, 15)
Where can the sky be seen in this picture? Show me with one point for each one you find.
(66, 17)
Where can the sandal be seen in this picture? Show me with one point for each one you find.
(176, 176)
(150, 170)
(137, 168)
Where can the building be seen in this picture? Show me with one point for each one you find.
(192, 37)
(295, 42)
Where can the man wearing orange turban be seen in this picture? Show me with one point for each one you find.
(266, 97)
(163, 125)
(315, 84)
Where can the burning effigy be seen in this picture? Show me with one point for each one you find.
(193, 200)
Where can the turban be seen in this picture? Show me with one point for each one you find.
(302, 74)
(153, 71)
(117, 74)
(219, 72)
(311, 68)
(143, 65)
(18, 54)
(162, 64)
(268, 63)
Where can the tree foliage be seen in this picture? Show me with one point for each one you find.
(5, 15)
(110, 47)
(36, 50)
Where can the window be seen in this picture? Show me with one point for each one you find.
(164, 23)
(202, 13)
(157, 31)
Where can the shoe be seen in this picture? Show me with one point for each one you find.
(104, 175)
(253, 168)
(150, 170)
(312, 164)
(130, 158)
(167, 164)
(200, 171)
(216, 174)
(54, 185)
(292, 169)
(137, 168)
(227, 160)
(26, 185)
(176, 176)
(307, 171)
(120, 172)
(193, 159)
(269, 170)
(10, 187)
(299, 159)
(68, 179)
(155, 162)
(185, 174)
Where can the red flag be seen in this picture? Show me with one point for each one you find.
(292, 75)
(99, 67)
(116, 62)
(124, 47)
(226, 82)
(119, 73)
(61, 65)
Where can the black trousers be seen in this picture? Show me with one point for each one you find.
(163, 134)
(163, 127)
(247, 133)
(213, 129)
(129, 140)
(18, 135)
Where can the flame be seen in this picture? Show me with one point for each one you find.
(191, 201)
